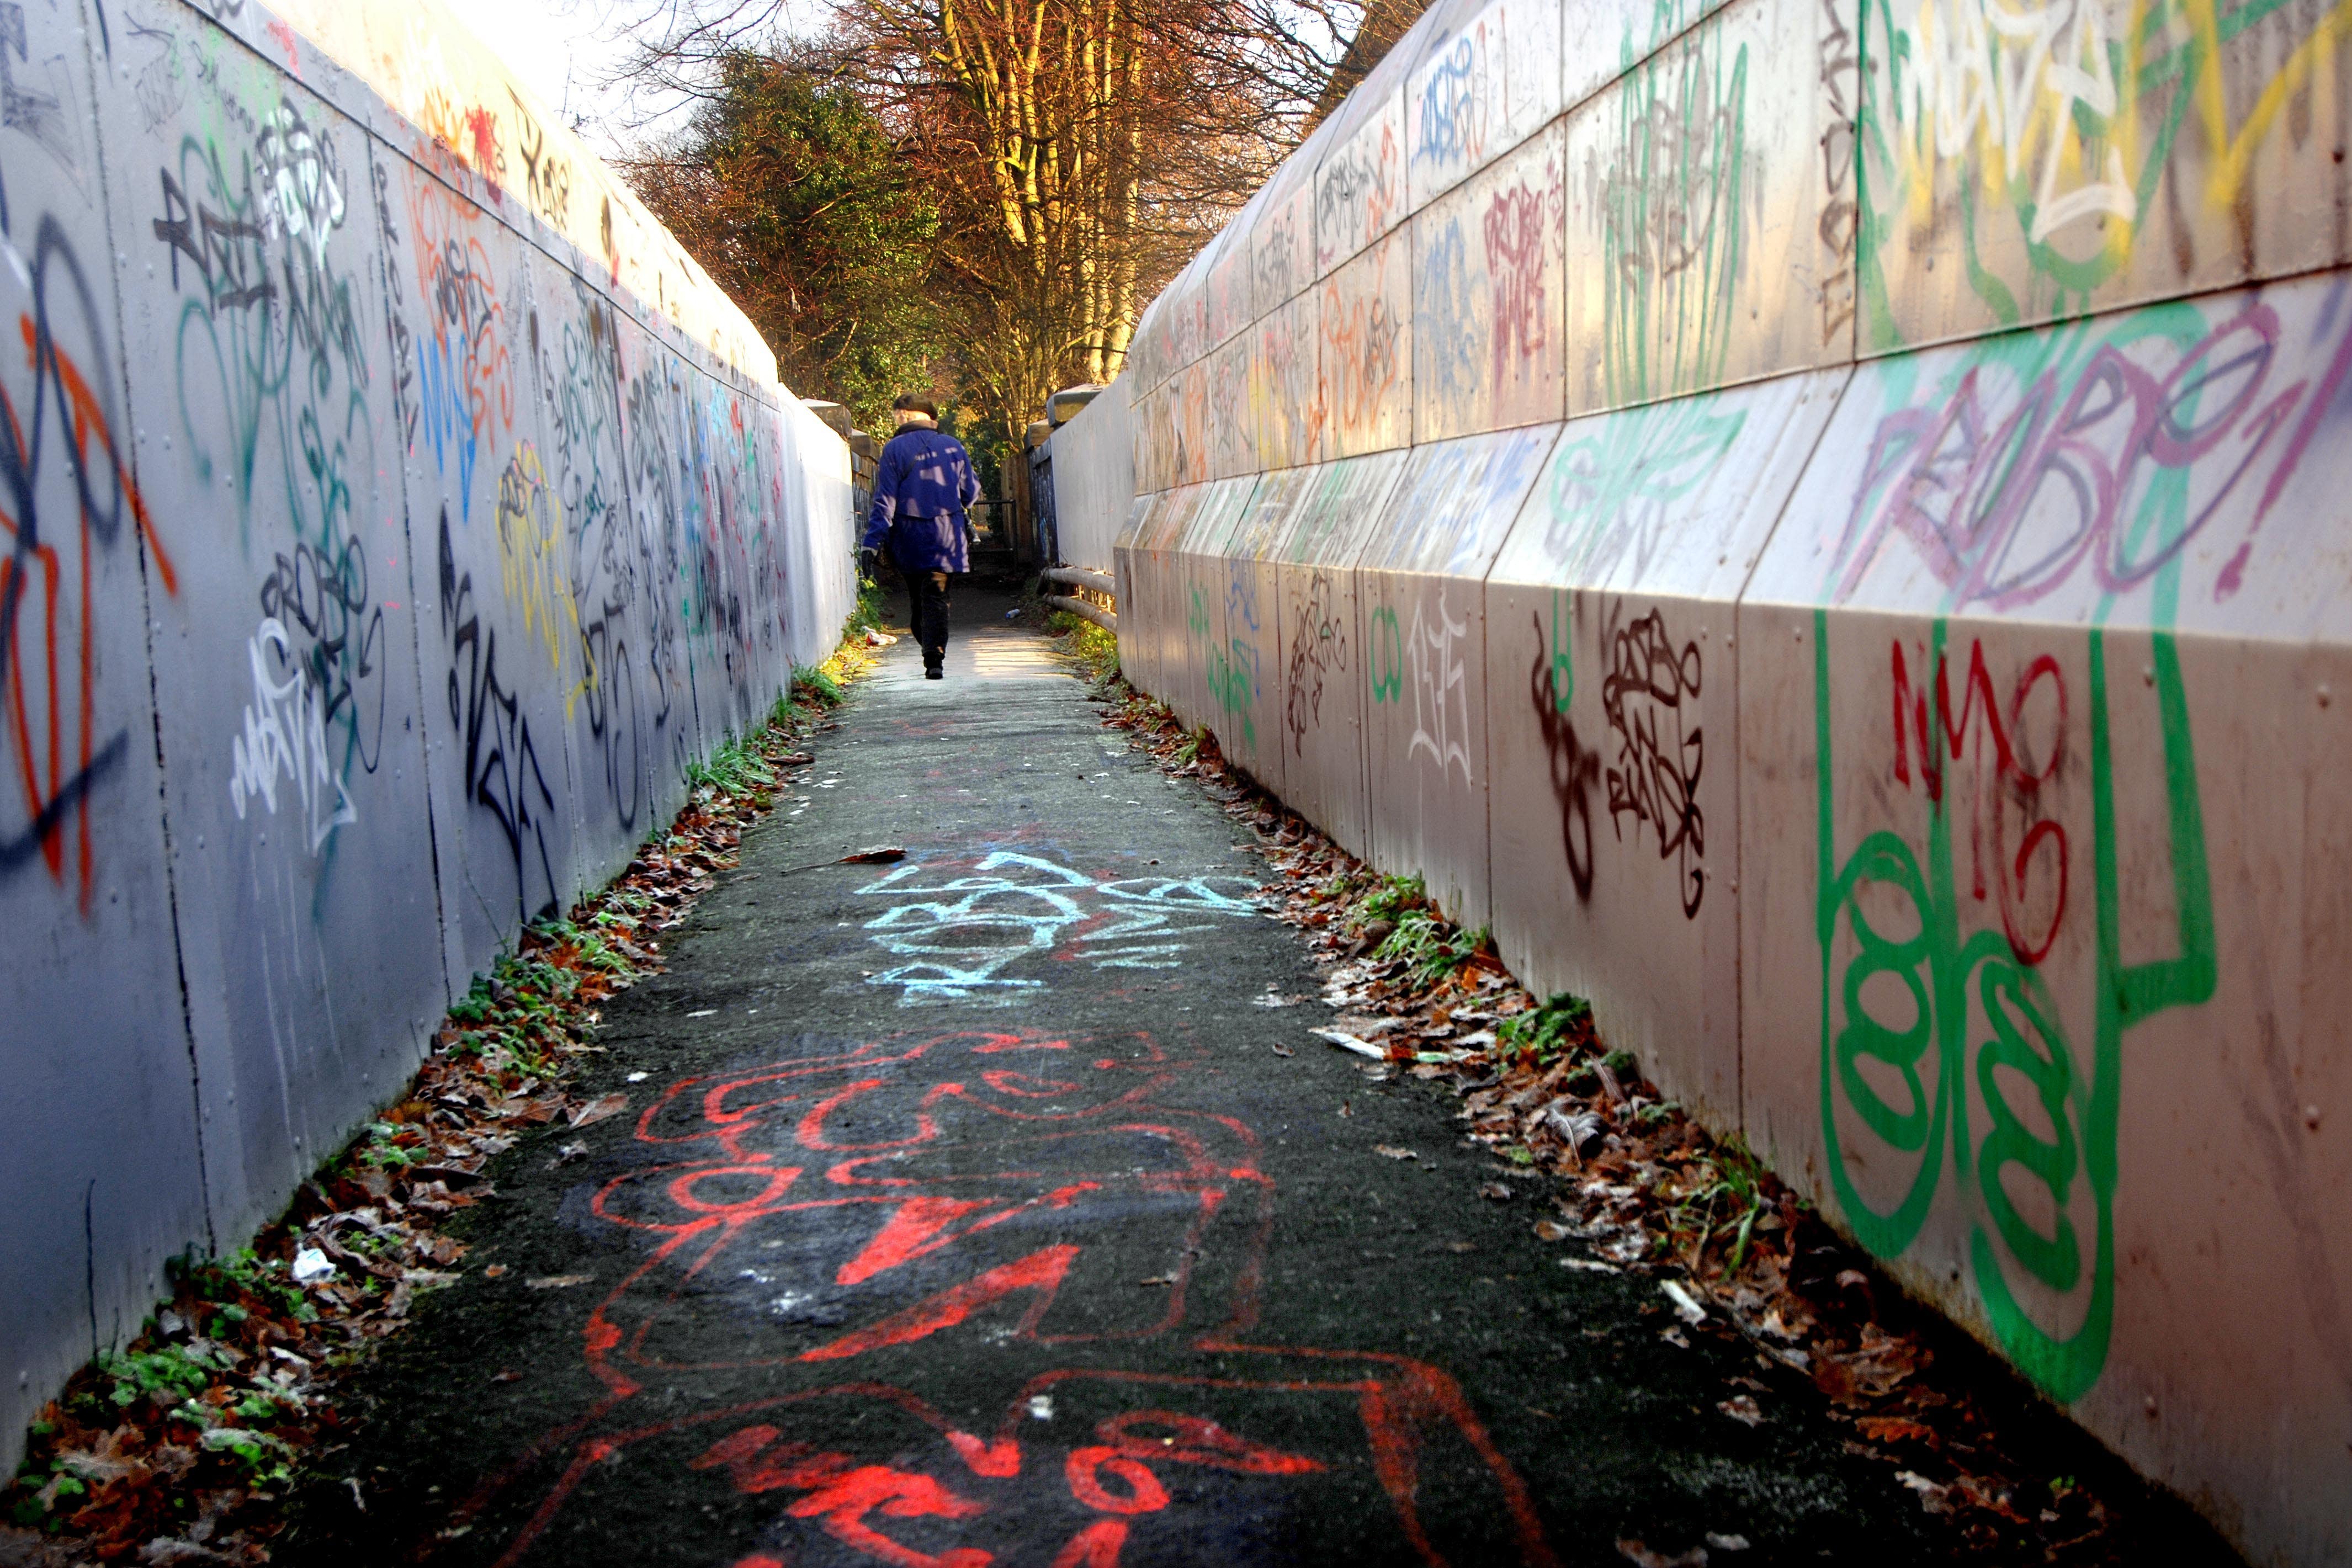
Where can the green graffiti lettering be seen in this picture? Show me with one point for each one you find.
(1386, 663)
(1895, 1057)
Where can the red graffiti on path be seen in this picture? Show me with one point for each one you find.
(2007, 785)
(919, 1175)
(59, 435)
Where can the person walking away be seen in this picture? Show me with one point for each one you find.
(923, 491)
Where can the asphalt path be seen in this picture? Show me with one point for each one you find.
(976, 1209)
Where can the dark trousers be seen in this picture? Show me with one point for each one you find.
(927, 612)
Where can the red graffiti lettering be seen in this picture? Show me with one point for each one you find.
(1084, 1467)
(1040, 1271)
(1096, 1546)
(2007, 785)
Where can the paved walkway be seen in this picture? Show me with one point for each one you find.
(975, 1210)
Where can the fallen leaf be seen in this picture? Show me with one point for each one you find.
(1284, 1050)
(1743, 1409)
(1723, 1542)
(1553, 1230)
(509, 1375)
(1933, 1499)
(1589, 1266)
(1635, 1553)
(493, 1271)
(558, 1282)
(599, 1109)
(1495, 1191)
(1390, 1151)
(1894, 1429)
(879, 855)
(1161, 1279)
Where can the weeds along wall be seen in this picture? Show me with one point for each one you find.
(393, 516)
(1823, 524)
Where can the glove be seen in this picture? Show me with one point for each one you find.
(869, 562)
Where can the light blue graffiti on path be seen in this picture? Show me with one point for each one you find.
(956, 938)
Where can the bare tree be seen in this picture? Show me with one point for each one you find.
(1078, 151)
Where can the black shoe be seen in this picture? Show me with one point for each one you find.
(933, 673)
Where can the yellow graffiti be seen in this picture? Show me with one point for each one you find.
(531, 562)
(2231, 154)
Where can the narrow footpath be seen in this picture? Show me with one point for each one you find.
(980, 1208)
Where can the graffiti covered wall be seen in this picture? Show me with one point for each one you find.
(1815, 522)
(392, 513)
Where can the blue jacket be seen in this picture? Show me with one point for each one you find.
(924, 487)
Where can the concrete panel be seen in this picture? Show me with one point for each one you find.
(1696, 201)
(1321, 643)
(1613, 717)
(1425, 639)
(1365, 364)
(496, 650)
(1282, 248)
(1134, 643)
(657, 438)
(100, 1156)
(1232, 435)
(1154, 439)
(1227, 296)
(1287, 411)
(572, 509)
(1454, 109)
(1199, 672)
(2024, 164)
(824, 529)
(1158, 635)
(2047, 1008)
(291, 719)
(1487, 345)
(1095, 477)
(1244, 667)
(1359, 187)
(1603, 39)
(1189, 461)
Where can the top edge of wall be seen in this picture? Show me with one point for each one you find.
(453, 106)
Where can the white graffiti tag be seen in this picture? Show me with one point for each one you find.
(2007, 77)
(286, 736)
(958, 937)
(1440, 704)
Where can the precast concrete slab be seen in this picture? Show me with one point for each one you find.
(1612, 719)
(1324, 690)
(1421, 584)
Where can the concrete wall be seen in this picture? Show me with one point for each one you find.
(392, 515)
(1094, 479)
(1820, 523)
